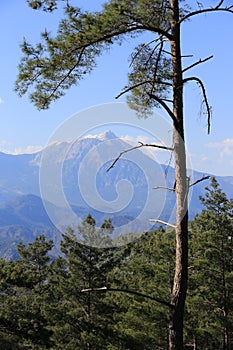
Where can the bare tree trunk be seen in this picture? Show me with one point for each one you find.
(181, 265)
(194, 343)
(226, 343)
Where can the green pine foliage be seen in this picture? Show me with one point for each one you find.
(23, 296)
(82, 319)
(57, 63)
(142, 323)
(210, 294)
(50, 303)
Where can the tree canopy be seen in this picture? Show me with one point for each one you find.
(44, 306)
(56, 63)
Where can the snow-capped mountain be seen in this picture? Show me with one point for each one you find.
(76, 173)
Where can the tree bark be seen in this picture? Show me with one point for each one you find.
(179, 290)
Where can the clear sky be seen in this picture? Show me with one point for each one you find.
(24, 129)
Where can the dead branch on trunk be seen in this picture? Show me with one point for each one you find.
(174, 188)
(141, 144)
(128, 89)
(120, 290)
(209, 9)
(198, 62)
(164, 187)
(165, 106)
(162, 222)
(205, 99)
(200, 180)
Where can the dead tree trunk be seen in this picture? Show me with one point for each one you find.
(181, 265)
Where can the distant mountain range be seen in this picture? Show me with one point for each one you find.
(34, 188)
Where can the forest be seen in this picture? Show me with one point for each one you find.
(117, 298)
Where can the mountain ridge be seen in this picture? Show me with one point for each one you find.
(22, 208)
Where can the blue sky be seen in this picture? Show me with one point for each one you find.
(24, 129)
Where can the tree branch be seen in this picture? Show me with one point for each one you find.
(196, 63)
(141, 48)
(116, 33)
(120, 290)
(165, 106)
(157, 64)
(66, 75)
(160, 32)
(87, 42)
(162, 222)
(132, 87)
(136, 147)
(164, 187)
(142, 83)
(199, 180)
(208, 108)
(210, 9)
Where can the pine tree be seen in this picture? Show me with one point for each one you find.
(141, 323)
(82, 320)
(210, 299)
(24, 296)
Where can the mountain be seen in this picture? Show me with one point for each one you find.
(46, 191)
(19, 175)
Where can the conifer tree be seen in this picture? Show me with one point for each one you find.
(78, 319)
(210, 300)
(24, 296)
(142, 323)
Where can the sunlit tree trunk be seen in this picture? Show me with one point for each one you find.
(181, 265)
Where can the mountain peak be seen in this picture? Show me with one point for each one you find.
(106, 135)
(109, 135)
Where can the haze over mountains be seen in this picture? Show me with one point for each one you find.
(75, 173)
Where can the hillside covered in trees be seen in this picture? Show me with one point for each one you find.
(117, 298)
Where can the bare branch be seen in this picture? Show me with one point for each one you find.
(164, 105)
(164, 187)
(136, 147)
(220, 3)
(167, 100)
(209, 9)
(142, 83)
(200, 180)
(169, 53)
(186, 56)
(159, 31)
(162, 222)
(133, 87)
(182, 56)
(208, 108)
(120, 290)
(155, 146)
(196, 63)
(121, 154)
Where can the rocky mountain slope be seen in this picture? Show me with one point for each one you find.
(31, 186)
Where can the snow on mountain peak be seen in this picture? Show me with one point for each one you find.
(106, 135)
